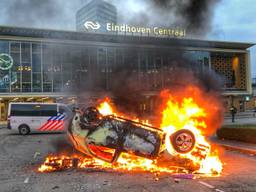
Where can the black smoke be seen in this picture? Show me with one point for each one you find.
(62, 145)
(130, 93)
(194, 15)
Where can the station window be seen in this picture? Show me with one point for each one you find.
(15, 47)
(26, 52)
(36, 48)
(47, 87)
(36, 62)
(4, 47)
(37, 82)
(26, 87)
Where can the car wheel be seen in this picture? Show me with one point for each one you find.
(183, 141)
(24, 130)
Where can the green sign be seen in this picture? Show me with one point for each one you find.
(6, 61)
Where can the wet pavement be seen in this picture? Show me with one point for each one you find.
(18, 164)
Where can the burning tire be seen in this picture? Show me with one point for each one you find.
(91, 115)
(183, 141)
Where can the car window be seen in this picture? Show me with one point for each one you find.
(48, 110)
(25, 110)
(64, 109)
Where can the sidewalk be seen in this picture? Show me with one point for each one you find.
(3, 124)
(246, 114)
(239, 121)
(247, 148)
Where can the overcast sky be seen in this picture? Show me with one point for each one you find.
(233, 20)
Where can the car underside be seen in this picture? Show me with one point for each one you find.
(106, 137)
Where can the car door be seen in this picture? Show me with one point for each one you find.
(66, 116)
(35, 120)
(49, 118)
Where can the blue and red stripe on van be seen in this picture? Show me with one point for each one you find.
(54, 123)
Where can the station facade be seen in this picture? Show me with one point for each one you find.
(49, 65)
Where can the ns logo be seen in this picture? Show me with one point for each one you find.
(90, 25)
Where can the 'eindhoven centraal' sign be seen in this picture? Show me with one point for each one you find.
(124, 28)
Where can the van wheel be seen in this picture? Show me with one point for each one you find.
(24, 130)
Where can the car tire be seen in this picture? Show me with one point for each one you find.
(24, 130)
(183, 141)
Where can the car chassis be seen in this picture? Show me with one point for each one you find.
(106, 137)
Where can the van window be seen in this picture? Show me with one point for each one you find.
(25, 110)
(48, 110)
(33, 110)
(64, 109)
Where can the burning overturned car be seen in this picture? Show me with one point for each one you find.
(110, 140)
(106, 137)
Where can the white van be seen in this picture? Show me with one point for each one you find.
(38, 117)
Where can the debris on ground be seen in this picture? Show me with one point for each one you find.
(36, 154)
(26, 180)
(56, 187)
(184, 176)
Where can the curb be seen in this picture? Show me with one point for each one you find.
(3, 126)
(240, 149)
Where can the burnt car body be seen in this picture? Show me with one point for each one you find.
(106, 137)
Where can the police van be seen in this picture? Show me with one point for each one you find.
(38, 117)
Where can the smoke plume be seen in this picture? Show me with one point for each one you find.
(193, 15)
(129, 92)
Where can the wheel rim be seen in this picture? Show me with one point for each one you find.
(184, 142)
(23, 130)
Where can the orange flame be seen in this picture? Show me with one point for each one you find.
(187, 114)
(105, 108)
(126, 163)
(185, 111)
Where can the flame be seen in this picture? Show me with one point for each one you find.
(126, 163)
(187, 114)
(178, 112)
(105, 108)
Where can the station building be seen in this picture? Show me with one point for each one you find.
(50, 65)
(96, 10)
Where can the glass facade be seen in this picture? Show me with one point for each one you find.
(56, 67)
(4, 74)
(41, 67)
(53, 69)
